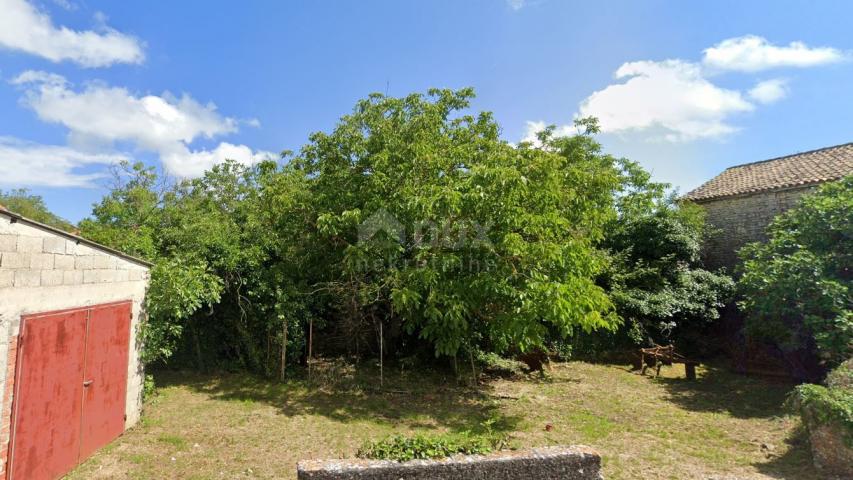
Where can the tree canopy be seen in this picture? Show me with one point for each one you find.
(410, 227)
(23, 202)
(798, 286)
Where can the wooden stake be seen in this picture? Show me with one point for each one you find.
(381, 357)
(284, 351)
(310, 345)
(473, 368)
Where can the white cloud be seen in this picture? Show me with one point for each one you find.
(672, 95)
(516, 4)
(65, 5)
(105, 113)
(26, 163)
(752, 53)
(100, 115)
(187, 163)
(533, 128)
(769, 91)
(25, 28)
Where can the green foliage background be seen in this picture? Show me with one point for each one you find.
(502, 248)
(23, 202)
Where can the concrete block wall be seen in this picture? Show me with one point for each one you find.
(544, 463)
(42, 271)
(743, 219)
(6, 411)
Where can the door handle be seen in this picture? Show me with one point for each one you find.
(87, 383)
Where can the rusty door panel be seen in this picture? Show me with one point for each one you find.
(70, 388)
(105, 379)
(48, 395)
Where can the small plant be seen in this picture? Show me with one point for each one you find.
(422, 447)
(149, 388)
(178, 443)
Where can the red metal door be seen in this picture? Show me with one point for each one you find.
(70, 388)
(105, 379)
(46, 441)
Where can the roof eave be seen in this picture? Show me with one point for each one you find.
(70, 236)
(798, 186)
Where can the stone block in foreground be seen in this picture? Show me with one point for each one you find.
(547, 463)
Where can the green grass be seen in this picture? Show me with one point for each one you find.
(238, 426)
(176, 442)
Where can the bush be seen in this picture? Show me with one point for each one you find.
(493, 364)
(797, 287)
(820, 405)
(827, 413)
(655, 277)
(422, 447)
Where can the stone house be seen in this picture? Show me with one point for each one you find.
(742, 201)
(70, 374)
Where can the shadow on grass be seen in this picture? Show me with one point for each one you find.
(718, 390)
(795, 463)
(420, 401)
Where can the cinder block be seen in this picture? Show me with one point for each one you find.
(105, 262)
(8, 243)
(137, 274)
(27, 278)
(51, 277)
(41, 261)
(63, 262)
(30, 244)
(91, 276)
(14, 260)
(83, 249)
(121, 275)
(7, 278)
(84, 262)
(54, 245)
(72, 277)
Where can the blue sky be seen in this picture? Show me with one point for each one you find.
(686, 88)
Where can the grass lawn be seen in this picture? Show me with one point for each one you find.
(721, 426)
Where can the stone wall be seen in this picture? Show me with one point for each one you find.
(742, 219)
(547, 463)
(42, 271)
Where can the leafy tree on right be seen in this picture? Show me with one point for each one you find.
(797, 288)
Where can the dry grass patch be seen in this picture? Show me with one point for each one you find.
(237, 426)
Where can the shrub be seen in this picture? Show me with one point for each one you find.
(149, 387)
(830, 404)
(422, 447)
(797, 287)
(493, 364)
(655, 277)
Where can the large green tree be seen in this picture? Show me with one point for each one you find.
(411, 226)
(499, 240)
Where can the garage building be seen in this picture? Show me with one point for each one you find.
(70, 371)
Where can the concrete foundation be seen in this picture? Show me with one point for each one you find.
(547, 463)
